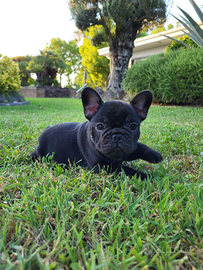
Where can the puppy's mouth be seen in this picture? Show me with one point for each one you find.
(116, 146)
(116, 154)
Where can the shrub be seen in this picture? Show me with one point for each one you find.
(9, 75)
(22, 62)
(176, 44)
(175, 77)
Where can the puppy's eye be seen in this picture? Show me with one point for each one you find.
(100, 126)
(133, 126)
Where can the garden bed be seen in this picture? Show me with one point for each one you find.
(12, 98)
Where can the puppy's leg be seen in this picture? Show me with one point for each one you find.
(117, 168)
(131, 172)
(145, 153)
(35, 154)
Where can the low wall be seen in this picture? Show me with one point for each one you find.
(47, 91)
(52, 91)
(27, 91)
(72, 92)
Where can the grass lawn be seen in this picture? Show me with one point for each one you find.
(51, 218)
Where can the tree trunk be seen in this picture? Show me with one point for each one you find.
(121, 50)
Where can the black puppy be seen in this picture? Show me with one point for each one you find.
(108, 138)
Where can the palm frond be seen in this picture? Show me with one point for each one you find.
(175, 39)
(197, 9)
(195, 31)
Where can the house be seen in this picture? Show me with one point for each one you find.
(150, 45)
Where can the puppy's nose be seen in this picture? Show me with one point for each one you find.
(117, 137)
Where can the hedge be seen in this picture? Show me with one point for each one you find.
(175, 77)
(9, 75)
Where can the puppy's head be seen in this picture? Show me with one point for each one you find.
(114, 126)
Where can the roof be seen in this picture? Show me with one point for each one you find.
(152, 41)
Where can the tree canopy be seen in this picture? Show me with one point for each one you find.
(24, 73)
(127, 17)
(68, 52)
(96, 66)
(124, 13)
(48, 63)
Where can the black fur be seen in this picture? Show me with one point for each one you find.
(108, 138)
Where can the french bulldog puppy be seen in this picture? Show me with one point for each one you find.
(109, 137)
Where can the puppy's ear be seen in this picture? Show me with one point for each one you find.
(91, 102)
(141, 103)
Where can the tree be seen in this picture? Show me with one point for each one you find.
(48, 64)
(78, 35)
(69, 53)
(158, 29)
(170, 26)
(142, 34)
(161, 28)
(178, 24)
(24, 73)
(96, 66)
(128, 18)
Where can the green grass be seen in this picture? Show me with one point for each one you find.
(52, 218)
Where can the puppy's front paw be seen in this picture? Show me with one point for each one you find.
(131, 172)
(154, 157)
(142, 176)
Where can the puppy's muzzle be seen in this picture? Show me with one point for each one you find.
(117, 138)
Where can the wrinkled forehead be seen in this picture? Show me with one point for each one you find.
(117, 111)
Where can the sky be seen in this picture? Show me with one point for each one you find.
(28, 25)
